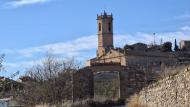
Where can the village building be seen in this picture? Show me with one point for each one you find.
(131, 55)
(185, 45)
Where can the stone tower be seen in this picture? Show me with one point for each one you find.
(105, 33)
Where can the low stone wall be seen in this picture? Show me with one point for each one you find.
(107, 81)
(173, 91)
(131, 81)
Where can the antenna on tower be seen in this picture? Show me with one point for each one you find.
(154, 38)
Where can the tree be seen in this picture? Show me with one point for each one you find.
(50, 82)
(167, 47)
(176, 48)
(1, 61)
(4, 84)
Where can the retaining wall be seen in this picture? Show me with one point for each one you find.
(173, 91)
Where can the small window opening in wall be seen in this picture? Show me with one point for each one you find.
(99, 26)
(109, 27)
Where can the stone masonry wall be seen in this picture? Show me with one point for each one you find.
(83, 84)
(173, 91)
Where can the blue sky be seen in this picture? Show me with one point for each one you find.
(30, 28)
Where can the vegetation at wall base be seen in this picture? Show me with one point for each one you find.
(134, 102)
(94, 103)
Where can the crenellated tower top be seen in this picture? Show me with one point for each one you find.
(105, 33)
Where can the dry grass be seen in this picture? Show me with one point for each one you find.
(45, 105)
(134, 102)
(67, 104)
(98, 102)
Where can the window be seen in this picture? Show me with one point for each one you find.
(99, 26)
(109, 27)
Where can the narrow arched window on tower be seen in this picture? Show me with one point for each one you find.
(99, 26)
(109, 27)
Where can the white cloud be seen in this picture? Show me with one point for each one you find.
(184, 16)
(24, 64)
(18, 3)
(186, 28)
(87, 43)
(70, 48)
(21, 66)
(81, 47)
